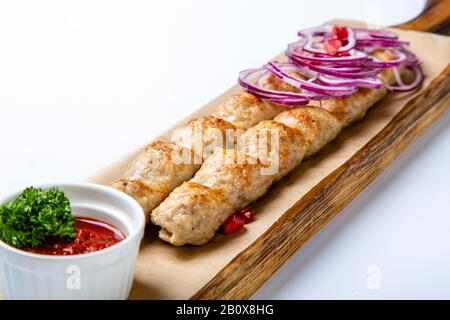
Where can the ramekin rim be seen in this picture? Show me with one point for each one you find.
(139, 231)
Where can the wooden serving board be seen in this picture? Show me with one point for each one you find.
(297, 207)
(254, 266)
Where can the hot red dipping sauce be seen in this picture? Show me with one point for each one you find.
(92, 235)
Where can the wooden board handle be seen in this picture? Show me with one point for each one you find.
(434, 18)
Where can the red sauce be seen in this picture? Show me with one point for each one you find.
(92, 235)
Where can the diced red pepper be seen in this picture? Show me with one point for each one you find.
(233, 224)
(247, 214)
(340, 32)
(332, 46)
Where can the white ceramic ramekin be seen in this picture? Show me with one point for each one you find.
(104, 274)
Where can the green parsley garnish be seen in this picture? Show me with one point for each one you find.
(36, 215)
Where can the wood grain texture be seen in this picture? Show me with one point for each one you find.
(251, 268)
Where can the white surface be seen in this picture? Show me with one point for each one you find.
(83, 82)
(105, 274)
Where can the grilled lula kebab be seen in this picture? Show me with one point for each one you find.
(225, 183)
(155, 172)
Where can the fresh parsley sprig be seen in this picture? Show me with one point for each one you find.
(34, 216)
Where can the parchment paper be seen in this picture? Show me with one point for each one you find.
(167, 272)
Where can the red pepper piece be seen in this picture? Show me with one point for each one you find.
(332, 46)
(233, 224)
(340, 32)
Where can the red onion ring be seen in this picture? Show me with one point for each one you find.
(373, 62)
(411, 59)
(313, 87)
(297, 51)
(344, 72)
(279, 97)
(308, 34)
(396, 44)
(373, 83)
(401, 86)
(367, 33)
(334, 75)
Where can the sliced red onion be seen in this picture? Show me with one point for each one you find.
(411, 58)
(369, 33)
(297, 51)
(401, 86)
(398, 77)
(246, 84)
(333, 75)
(325, 30)
(291, 67)
(373, 62)
(381, 43)
(279, 97)
(263, 78)
(344, 72)
(313, 87)
(373, 83)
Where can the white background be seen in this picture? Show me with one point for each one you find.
(83, 82)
